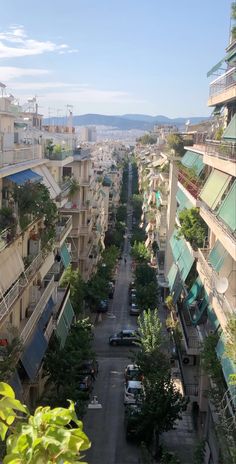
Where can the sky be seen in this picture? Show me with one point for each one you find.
(113, 57)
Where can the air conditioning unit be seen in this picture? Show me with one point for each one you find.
(188, 360)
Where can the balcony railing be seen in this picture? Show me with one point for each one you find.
(192, 341)
(14, 293)
(191, 389)
(18, 155)
(76, 206)
(216, 149)
(193, 187)
(223, 83)
(62, 227)
(213, 277)
(37, 312)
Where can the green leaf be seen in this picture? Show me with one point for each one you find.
(9, 402)
(3, 430)
(6, 390)
(12, 459)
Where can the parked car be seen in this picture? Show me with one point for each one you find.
(132, 296)
(103, 306)
(132, 392)
(89, 367)
(134, 310)
(124, 337)
(132, 372)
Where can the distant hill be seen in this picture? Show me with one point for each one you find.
(126, 121)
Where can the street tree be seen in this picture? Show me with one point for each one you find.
(77, 288)
(150, 331)
(139, 252)
(147, 295)
(49, 436)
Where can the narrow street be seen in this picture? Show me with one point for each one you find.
(105, 426)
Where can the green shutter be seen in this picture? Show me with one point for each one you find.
(193, 160)
(172, 275)
(158, 199)
(185, 262)
(68, 313)
(227, 210)
(65, 255)
(214, 188)
(217, 256)
(177, 291)
(62, 331)
(183, 201)
(230, 131)
(176, 245)
(194, 292)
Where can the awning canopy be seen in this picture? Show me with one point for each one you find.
(182, 255)
(49, 181)
(12, 267)
(194, 161)
(158, 199)
(20, 178)
(194, 292)
(230, 131)
(183, 201)
(227, 209)
(65, 255)
(217, 256)
(216, 67)
(214, 188)
(64, 323)
(34, 353)
(172, 276)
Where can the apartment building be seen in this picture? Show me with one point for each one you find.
(33, 304)
(202, 273)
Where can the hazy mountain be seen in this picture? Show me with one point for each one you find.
(126, 121)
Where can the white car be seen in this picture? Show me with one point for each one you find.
(133, 389)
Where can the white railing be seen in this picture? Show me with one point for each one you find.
(37, 312)
(222, 83)
(61, 230)
(18, 155)
(10, 298)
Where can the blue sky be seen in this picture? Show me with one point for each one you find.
(113, 57)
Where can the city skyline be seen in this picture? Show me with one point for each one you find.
(115, 59)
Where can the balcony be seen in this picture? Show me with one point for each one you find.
(18, 155)
(19, 286)
(37, 311)
(85, 181)
(76, 207)
(190, 333)
(221, 231)
(223, 304)
(63, 228)
(223, 89)
(192, 186)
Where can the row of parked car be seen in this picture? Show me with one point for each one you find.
(104, 304)
(87, 374)
(133, 390)
(133, 307)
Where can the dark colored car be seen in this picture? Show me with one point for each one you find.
(132, 421)
(134, 310)
(124, 337)
(103, 306)
(89, 367)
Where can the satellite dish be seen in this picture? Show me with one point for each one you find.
(221, 285)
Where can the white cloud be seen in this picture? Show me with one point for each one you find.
(8, 73)
(16, 43)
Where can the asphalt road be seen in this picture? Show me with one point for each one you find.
(105, 426)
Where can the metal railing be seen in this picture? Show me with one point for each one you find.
(10, 298)
(37, 311)
(62, 229)
(223, 83)
(192, 341)
(193, 188)
(18, 155)
(191, 389)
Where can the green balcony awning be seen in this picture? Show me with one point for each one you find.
(212, 317)
(177, 291)
(193, 160)
(227, 210)
(65, 255)
(195, 291)
(185, 263)
(183, 201)
(172, 276)
(214, 188)
(228, 366)
(230, 131)
(176, 244)
(64, 323)
(217, 256)
(215, 67)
